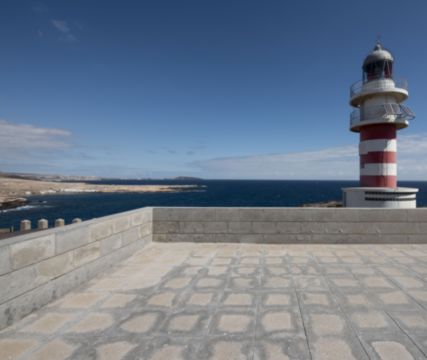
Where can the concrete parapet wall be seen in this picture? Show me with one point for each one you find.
(290, 225)
(39, 267)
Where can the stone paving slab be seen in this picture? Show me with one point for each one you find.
(239, 301)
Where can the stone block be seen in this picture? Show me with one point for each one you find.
(137, 218)
(86, 254)
(239, 227)
(289, 227)
(31, 251)
(166, 227)
(313, 227)
(165, 237)
(191, 227)
(55, 266)
(397, 228)
(329, 238)
(289, 214)
(5, 263)
(247, 214)
(238, 238)
(101, 230)
(196, 238)
(279, 238)
(322, 214)
(145, 230)
(337, 228)
(191, 214)
(421, 227)
(111, 243)
(383, 215)
(264, 227)
(161, 214)
(345, 215)
(20, 306)
(130, 236)
(417, 215)
(215, 227)
(147, 215)
(121, 224)
(227, 214)
(17, 282)
(415, 239)
(68, 239)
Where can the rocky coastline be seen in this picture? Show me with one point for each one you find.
(14, 191)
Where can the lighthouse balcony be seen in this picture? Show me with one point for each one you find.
(397, 114)
(362, 90)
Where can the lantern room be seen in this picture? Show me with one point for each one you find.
(378, 65)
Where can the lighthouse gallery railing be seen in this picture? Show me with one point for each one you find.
(380, 84)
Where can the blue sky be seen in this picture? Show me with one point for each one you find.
(215, 89)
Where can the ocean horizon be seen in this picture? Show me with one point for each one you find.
(209, 193)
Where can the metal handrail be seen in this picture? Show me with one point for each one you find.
(357, 87)
(402, 113)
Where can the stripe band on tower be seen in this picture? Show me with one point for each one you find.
(379, 169)
(378, 157)
(368, 146)
(378, 181)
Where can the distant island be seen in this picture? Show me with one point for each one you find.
(14, 188)
(187, 178)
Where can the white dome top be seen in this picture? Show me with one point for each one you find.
(378, 54)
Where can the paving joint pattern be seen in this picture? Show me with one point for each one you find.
(239, 301)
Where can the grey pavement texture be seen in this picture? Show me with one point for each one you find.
(239, 301)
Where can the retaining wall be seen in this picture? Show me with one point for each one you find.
(290, 225)
(39, 267)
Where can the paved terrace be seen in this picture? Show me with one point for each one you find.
(239, 301)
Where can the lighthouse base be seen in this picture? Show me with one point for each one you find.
(380, 197)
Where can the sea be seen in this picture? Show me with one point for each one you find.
(208, 193)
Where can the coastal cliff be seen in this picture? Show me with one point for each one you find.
(13, 191)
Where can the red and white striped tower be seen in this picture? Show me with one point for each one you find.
(378, 115)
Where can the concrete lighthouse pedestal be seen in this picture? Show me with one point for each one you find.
(380, 197)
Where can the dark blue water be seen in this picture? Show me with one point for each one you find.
(266, 193)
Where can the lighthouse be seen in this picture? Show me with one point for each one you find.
(379, 113)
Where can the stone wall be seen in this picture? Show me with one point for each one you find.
(39, 267)
(290, 225)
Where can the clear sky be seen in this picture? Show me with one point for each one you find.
(209, 88)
